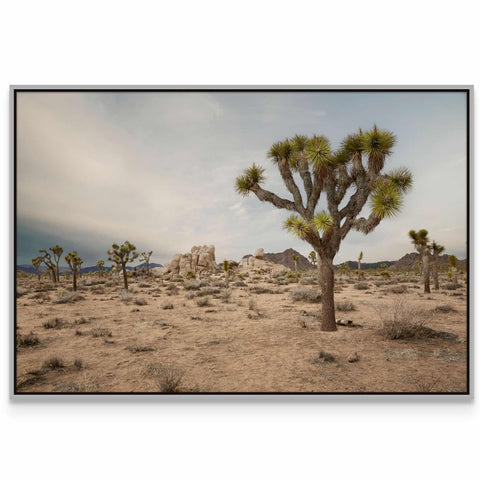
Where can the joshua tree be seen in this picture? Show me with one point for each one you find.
(312, 256)
(295, 259)
(146, 257)
(47, 260)
(57, 254)
(226, 269)
(420, 241)
(100, 265)
(360, 257)
(36, 262)
(357, 164)
(452, 259)
(75, 264)
(121, 255)
(437, 249)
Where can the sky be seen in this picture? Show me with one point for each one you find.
(159, 168)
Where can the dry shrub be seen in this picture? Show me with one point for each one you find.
(306, 294)
(324, 357)
(362, 286)
(169, 376)
(191, 285)
(54, 323)
(402, 320)
(444, 309)
(203, 302)
(101, 332)
(399, 289)
(345, 306)
(30, 340)
(140, 301)
(70, 297)
(167, 306)
(53, 363)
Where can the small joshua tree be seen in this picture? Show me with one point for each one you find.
(452, 259)
(312, 256)
(75, 264)
(57, 252)
(437, 249)
(420, 241)
(100, 265)
(360, 257)
(357, 165)
(295, 259)
(121, 255)
(47, 260)
(227, 269)
(36, 262)
(146, 258)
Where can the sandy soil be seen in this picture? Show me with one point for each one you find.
(257, 342)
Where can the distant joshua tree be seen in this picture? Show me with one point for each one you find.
(295, 259)
(100, 266)
(36, 262)
(452, 259)
(146, 258)
(227, 269)
(75, 264)
(420, 241)
(360, 257)
(47, 260)
(437, 249)
(57, 254)
(357, 165)
(121, 255)
(312, 256)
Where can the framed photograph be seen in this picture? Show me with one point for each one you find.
(241, 240)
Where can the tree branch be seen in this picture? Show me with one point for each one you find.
(266, 196)
(287, 177)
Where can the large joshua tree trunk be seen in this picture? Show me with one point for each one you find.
(426, 270)
(125, 281)
(327, 284)
(74, 282)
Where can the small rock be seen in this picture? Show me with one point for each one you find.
(353, 357)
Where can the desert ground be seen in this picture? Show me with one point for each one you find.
(261, 333)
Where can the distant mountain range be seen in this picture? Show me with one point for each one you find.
(30, 269)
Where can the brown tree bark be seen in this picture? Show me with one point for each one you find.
(426, 272)
(436, 285)
(125, 282)
(74, 282)
(328, 302)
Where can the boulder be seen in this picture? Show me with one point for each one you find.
(200, 260)
(259, 253)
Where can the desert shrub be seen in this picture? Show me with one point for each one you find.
(306, 294)
(125, 296)
(172, 289)
(97, 289)
(399, 289)
(204, 291)
(53, 363)
(101, 332)
(139, 348)
(140, 301)
(252, 304)
(190, 274)
(53, 323)
(40, 296)
(169, 376)
(191, 285)
(78, 363)
(402, 321)
(444, 309)
(226, 295)
(309, 280)
(362, 286)
(325, 357)
(167, 306)
(190, 295)
(260, 290)
(144, 285)
(70, 297)
(29, 340)
(203, 302)
(239, 283)
(345, 306)
(451, 286)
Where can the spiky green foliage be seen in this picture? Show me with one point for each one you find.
(318, 151)
(146, 258)
(312, 256)
(452, 259)
(297, 226)
(378, 143)
(402, 179)
(281, 151)
(251, 176)
(385, 200)
(360, 257)
(36, 262)
(437, 248)
(419, 238)
(322, 221)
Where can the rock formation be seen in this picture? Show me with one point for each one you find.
(258, 263)
(201, 259)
